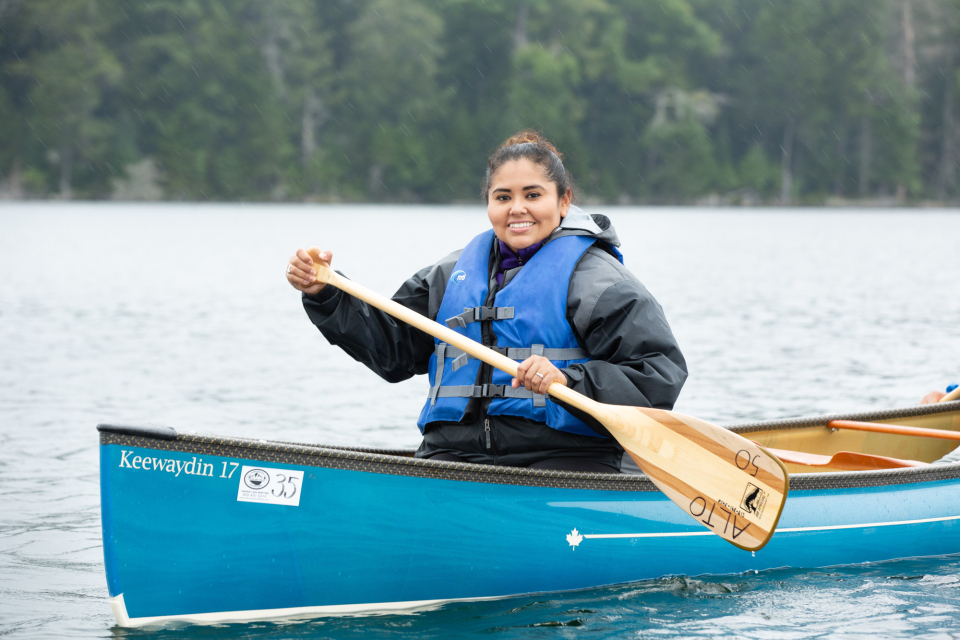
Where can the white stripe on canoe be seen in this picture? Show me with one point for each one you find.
(779, 530)
(124, 620)
(119, 608)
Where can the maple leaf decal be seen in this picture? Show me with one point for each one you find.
(574, 538)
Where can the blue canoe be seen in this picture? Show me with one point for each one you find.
(215, 529)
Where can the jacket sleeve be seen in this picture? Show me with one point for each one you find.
(636, 359)
(392, 349)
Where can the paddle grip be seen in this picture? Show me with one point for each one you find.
(324, 273)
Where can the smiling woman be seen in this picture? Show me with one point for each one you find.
(545, 286)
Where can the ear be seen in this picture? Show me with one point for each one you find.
(565, 202)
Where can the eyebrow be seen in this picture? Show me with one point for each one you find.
(533, 186)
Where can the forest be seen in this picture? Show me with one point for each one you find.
(785, 102)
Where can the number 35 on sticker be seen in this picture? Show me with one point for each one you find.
(270, 486)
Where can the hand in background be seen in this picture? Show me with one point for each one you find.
(937, 396)
(932, 397)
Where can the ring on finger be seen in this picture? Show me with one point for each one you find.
(539, 374)
(289, 268)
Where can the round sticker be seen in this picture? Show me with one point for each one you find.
(256, 479)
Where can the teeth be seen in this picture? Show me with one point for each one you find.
(520, 225)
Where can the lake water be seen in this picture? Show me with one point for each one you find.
(180, 314)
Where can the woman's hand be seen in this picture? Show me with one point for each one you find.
(300, 273)
(536, 373)
(933, 397)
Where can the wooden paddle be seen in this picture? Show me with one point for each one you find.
(894, 429)
(728, 484)
(953, 395)
(844, 460)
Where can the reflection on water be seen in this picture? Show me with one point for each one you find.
(180, 314)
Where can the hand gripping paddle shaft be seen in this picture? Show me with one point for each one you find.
(733, 487)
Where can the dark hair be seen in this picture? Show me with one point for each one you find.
(531, 145)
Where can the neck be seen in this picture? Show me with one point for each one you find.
(510, 259)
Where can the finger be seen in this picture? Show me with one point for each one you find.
(304, 256)
(543, 374)
(545, 378)
(298, 263)
(517, 382)
(555, 376)
(298, 266)
(525, 372)
(522, 368)
(543, 381)
(535, 377)
(325, 255)
(301, 276)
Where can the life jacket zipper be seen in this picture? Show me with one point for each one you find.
(486, 429)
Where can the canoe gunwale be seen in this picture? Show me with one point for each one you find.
(400, 462)
(353, 460)
(865, 416)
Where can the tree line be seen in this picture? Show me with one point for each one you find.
(656, 101)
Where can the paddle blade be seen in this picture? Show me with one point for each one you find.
(731, 486)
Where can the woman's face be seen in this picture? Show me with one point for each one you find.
(523, 204)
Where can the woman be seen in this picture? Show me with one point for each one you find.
(545, 286)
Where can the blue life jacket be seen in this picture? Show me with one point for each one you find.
(529, 318)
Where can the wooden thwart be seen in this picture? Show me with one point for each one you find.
(844, 460)
(733, 487)
(894, 429)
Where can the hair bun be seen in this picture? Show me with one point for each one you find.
(530, 145)
(533, 137)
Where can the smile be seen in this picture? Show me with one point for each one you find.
(520, 225)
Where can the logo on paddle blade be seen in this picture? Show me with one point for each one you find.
(256, 479)
(459, 276)
(754, 500)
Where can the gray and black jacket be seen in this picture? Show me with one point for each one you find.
(636, 360)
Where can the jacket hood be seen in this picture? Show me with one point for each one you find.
(580, 223)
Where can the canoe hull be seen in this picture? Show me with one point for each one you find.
(374, 533)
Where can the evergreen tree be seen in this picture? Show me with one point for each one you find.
(68, 68)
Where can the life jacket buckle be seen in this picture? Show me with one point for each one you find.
(492, 391)
(479, 314)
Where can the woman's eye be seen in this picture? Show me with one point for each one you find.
(533, 194)
(502, 198)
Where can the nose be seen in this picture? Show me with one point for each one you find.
(518, 206)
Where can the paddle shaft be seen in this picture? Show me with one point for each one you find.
(894, 429)
(953, 395)
(437, 330)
